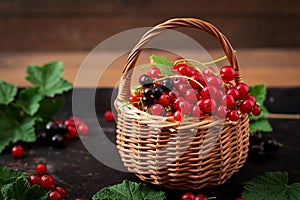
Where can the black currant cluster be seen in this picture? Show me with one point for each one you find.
(263, 145)
(54, 134)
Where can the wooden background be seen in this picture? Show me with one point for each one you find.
(265, 34)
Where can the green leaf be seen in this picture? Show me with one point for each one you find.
(8, 175)
(49, 78)
(163, 64)
(29, 99)
(7, 92)
(271, 186)
(38, 193)
(130, 191)
(260, 125)
(16, 190)
(260, 92)
(15, 126)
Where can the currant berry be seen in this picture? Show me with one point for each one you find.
(243, 90)
(157, 92)
(109, 116)
(167, 84)
(62, 128)
(80, 199)
(164, 100)
(188, 196)
(271, 146)
(62, 191)
(196, 112)
(146, 80)
(233, 115)
(178, 116)
(208, 92)
(41, 168)
(256, 110)
(51, 128)
(134, 99)
(256, 138)
(72, 132)
(209, 105)
(229, 101)
(227, 73)
(178, 81)
(148, 101)
(233, 92)
(214, 81)
(47, 181)
(17, 151)
(221, 111)
(246, 106)
(196, 79)
(154, 72)
(201, 197)
(173, 95)
(158, 110)
(182, 88)
(185, 107)
(54, 195)
(190, 95)
(240, 198)
(184, 70)
(177, 102)
(34, 180)
(149, 92)
(252, 98)
(169, 114)
(83, 129)
(58, 140)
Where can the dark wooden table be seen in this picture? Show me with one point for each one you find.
(76, 169)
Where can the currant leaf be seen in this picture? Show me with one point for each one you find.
(130, 191)
(260, 125)
(7, 92)
(49, 78)
(271, 185)
(260, 93)
(29, 99)
(8, 175)
(163, 64)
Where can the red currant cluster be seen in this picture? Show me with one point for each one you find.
(45, 180)
(193, 92)
(191, 196)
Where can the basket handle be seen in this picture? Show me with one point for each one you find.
(124, 85)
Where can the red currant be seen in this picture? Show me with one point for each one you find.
(196, 78)
(158, 110)
(134, 99)
(221, 112)
(190, 95)
(177, 102)
(41, 168)
(62, 191)
(201, 197)
(246, 106)
(54, 195)
(72, 132)
(233, 92)
(209, 105)
(169, 114)
(34, 180)
(178, 116)
(173, 95)
(256, 110)
(183, 88)
(252, 98)
(164, 100)
(243, 90)
(185, 107)
(47, 181)
(83, 129)
(214, 81)
(178, 81)
(240, 198)
(184, 70)
(229, 101)
(227, 73)
(188, 196)
(154, 72)
(109, 116)
(233, 115)
(17, 151)
(80, 199)
(208, 92)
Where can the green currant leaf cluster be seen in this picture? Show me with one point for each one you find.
(14, 185)
(163, 64)
(259, 123)
(130, 191)
(21, 113)
(273, 186)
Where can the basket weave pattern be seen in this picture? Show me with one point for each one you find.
(188, 155)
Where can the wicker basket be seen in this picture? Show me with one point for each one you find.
(190, 155)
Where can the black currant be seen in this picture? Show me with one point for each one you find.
(148, 100)
(146, 81)
(51, 128)
(257, 150)
(58, 140)
(157, 92)
(256, 138)
(271, 146)
(149, 92)
(167, 84)
(62, 129)
(44, 138)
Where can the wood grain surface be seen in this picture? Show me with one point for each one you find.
(274, 67)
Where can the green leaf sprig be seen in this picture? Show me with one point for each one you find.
(21, 113)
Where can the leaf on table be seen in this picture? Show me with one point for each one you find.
(8, 175)
(29, 99)
(38, 193)
(7, 92)
(15, 126)
(49, 78)
(16, 190)
(163, 64)
(260, 125)
(271, 185)
(130, 191)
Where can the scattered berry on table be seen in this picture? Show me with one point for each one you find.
(58, 140)
(188, 196)
(62, 191)
(54, 195)
(109, 116)
(17, 151)
(41, 168)
(201, 197)
(47, 181)
(34, 179)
